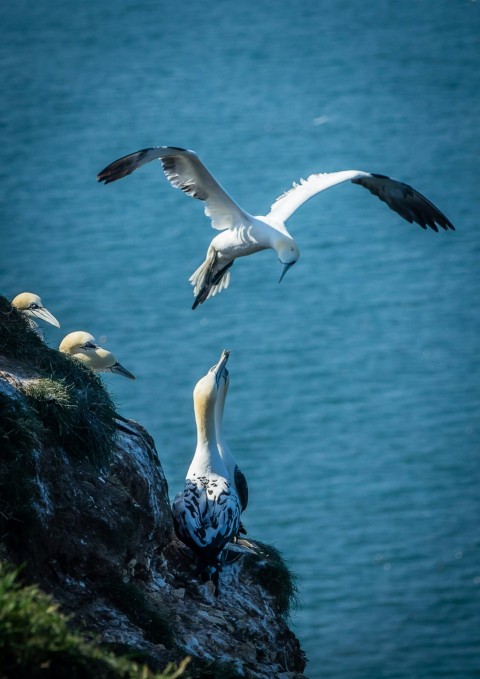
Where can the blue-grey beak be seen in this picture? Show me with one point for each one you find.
(120, 370)
(219, 368)
(285, 269)
(44, 314)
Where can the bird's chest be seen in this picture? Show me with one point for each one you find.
(237, 242)
(209, 489)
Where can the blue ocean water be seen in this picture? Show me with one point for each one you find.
(354, 400)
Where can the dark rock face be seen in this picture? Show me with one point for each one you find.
(100, 539)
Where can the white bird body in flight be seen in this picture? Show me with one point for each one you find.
(206, 513)
(82, 346)
(243, 234)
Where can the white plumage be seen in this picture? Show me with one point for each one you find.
(241, 233)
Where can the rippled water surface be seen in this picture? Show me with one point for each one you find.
(354, 398)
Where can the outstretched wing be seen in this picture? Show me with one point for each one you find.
(409, 203)
(184, 170)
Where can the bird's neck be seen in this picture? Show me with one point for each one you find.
(226, 455)
(222, 445)
(207, 458)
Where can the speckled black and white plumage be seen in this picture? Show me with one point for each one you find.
(206, 516)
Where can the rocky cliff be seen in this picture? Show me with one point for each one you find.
(84, 506)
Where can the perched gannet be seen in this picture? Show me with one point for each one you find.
(31, 306)
(242, 234)
(234, 473)
(82, 345)
(206, 514)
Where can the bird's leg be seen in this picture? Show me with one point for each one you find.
(219, 275)
(210, 281)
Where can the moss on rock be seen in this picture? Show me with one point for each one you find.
(267, 567)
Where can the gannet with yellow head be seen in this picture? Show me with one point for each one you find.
(206, 514)
(31, 306)
(81, 345)
(241, 233)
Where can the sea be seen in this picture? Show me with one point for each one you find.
(355, 394)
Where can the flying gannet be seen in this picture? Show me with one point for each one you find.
(81, 345)
(206, 514)
(31, 306)
(242, 234)
(234, 472)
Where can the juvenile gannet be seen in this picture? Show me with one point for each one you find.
(32, 307)
(206, 514)
(81, 345)
(234, 473)
(242, 234)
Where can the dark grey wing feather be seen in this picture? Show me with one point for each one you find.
(125, 165)
(404, 199)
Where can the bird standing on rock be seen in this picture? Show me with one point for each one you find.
(81, 345)
(206, 513)
(241, 233)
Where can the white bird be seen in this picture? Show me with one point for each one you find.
(31, 306)
(234, 473)
(206, 514)
(81, 345)
(242, 234)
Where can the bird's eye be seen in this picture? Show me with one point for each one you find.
(89, 345)
(33, 305)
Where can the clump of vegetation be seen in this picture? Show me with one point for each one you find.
(35, 641)
(154, 619)
(269, 569)
(67, 397)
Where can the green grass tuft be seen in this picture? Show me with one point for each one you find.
(269, 569)
(35, 641)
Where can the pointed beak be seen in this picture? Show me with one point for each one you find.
(120, 370)
(284, 270)
(45, 315)
(219, 368)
